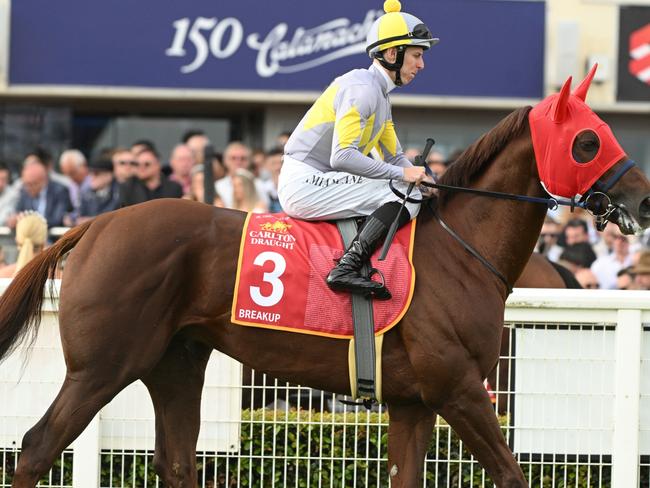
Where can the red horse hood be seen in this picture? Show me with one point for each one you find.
(554, 124)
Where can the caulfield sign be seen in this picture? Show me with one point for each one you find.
(634, 54)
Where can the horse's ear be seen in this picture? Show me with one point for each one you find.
(559, 108)
(581, 91)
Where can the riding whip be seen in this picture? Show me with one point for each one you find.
(420, 160)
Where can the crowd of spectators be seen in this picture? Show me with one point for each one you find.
(607, 260)
(73, 189)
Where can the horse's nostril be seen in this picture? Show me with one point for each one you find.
(644, 208)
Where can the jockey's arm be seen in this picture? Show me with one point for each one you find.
(353, 131)
(351, 160)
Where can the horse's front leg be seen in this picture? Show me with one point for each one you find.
(409, 432)
(470, 413)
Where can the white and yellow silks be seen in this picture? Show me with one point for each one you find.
(328, 152)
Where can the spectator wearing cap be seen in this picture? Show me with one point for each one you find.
(641, 272)
(104, 192)
(149, 182)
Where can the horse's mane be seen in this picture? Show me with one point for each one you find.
(471, 163)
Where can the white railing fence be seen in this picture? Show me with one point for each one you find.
(571, 391)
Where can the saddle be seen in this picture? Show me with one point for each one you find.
(280, 284)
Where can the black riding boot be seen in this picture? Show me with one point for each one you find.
(346, 276)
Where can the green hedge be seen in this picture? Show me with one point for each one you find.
(303, 448)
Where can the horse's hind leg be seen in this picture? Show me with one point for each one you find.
(99, 366)
(409, 432)
(470, 413)
(175, 386)
(80, 398)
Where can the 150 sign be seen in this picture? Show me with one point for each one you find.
(277, 51)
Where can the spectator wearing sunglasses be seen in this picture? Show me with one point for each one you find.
(123, 168)
(148, 183)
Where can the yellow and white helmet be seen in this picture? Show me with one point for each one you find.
(396, 28)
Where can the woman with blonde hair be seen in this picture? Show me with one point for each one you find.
(244, 194)
(31, 236)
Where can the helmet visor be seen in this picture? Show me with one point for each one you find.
(421, 31)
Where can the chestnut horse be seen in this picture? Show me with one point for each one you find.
(147, 292)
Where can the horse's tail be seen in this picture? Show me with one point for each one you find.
(20, 305)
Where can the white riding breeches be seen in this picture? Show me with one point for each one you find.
(307, 193)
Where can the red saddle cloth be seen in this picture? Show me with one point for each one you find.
(283, 263)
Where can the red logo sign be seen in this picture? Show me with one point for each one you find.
(639, 66)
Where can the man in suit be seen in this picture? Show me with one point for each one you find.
(42, 195)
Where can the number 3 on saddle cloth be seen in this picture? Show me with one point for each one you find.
(283, 263)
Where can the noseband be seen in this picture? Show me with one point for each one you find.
(598, 203)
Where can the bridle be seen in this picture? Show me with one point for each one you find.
(595, 201)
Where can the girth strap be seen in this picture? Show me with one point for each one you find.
(364, 328)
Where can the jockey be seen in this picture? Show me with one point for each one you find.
(327, 173)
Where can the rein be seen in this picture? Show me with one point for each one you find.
(551, 203)
(474, 253)
(602, 210)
